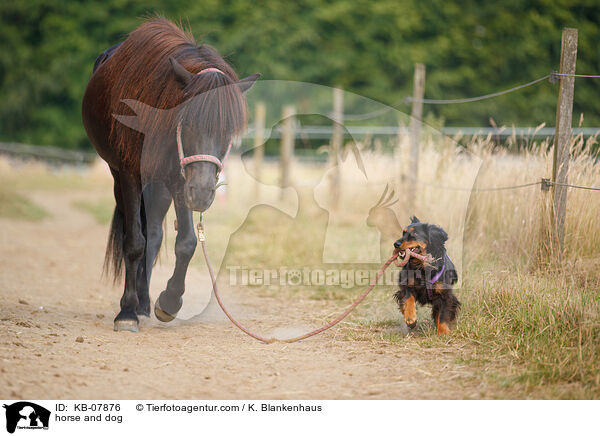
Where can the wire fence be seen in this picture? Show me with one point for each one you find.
(591, 188)
(502, 188)
(553, 77)
(588, 76)
(478, 98)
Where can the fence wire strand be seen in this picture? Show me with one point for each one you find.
(587, 76)
(481, 97)
(501, 188)
(407, 100)
(589, 188)
(458, 188)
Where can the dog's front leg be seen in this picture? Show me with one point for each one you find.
(407, 304)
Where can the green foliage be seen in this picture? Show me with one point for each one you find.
(470, 48)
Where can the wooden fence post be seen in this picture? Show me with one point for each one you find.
(415, 132)
(335, 148)
(562, 137)
(259, 149)
(287, 145)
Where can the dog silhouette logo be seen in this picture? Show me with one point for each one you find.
(26, 415)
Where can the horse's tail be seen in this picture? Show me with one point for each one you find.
(113, 259)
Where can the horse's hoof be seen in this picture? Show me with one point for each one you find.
(165, 308)
(126, 325)
(161, 315)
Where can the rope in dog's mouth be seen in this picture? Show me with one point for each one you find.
(406, 253)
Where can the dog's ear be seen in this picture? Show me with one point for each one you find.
(414, 219)
(437, 239)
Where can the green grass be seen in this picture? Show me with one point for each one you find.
(101, 210)
(16, 206)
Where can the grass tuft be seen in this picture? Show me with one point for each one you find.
(101, 210)
(16, 206)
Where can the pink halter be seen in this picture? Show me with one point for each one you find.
(183, 161)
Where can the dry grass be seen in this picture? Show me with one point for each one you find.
(100, 209)
(532, 321)
(14, 202)
(16, 206)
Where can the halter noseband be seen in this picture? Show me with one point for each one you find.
(183, 161)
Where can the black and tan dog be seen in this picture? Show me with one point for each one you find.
(427, 282)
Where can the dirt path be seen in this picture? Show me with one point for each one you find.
(51, 298)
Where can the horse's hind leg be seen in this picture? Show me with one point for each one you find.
(156, 202)
(133, 250)
(169, 302)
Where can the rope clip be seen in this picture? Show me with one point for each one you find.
(201, 235)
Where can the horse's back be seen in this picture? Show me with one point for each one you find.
(95, 110)
(104, 56)
(139, 69)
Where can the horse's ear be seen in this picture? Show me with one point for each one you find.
(246, 83)
(414, 219)
(182, 75)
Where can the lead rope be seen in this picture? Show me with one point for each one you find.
(202, 239)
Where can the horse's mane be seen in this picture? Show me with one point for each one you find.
(140, 70)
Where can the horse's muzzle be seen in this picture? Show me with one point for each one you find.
(198, 199)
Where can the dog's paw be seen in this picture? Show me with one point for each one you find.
(442, 329)
(409, 309)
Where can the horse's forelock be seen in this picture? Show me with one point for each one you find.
(216, 106)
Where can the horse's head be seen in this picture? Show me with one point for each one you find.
(212, 116)
(193, 138)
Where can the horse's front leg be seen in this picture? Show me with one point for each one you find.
(169, 302)
(156, 202)
(133, 250)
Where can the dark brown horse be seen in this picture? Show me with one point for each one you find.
(155, 73)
